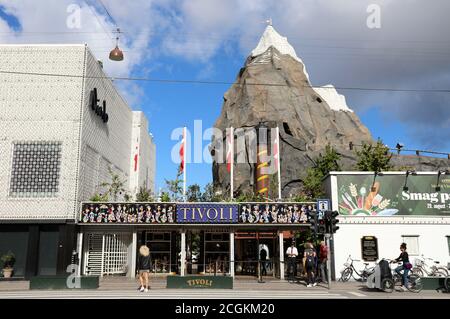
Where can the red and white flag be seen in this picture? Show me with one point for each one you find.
(230, 151)
(182, 150)
(230, 159)
(276, 157)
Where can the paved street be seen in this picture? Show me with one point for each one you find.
(124, 288)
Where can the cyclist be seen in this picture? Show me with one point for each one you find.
(405, 266)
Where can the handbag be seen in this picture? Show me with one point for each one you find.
(408, 265)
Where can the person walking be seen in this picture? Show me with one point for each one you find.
(143, 268)
(292, 254)
(310, 255)
(405, 266)
(323, 253)
(263, 258)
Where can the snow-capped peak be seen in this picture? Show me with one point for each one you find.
(270, 38)
(335, 100)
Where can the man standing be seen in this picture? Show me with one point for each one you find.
(292, 254)
(323, 261)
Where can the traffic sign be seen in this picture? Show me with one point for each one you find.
(323, 205)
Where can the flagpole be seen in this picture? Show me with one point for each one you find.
(184, 160)
(232, 163)
(278, 162)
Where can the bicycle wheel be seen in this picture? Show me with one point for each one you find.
(440, 273)
(415, 284)
(417, 271)
(398, 281)
(346, 274)
(387, 285)
(447, 283)
(443, 270)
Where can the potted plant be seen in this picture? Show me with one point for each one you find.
(8, 261)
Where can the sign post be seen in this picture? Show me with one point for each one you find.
(327, 237)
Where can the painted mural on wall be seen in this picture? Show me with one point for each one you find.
(361, 195)
(274, 213)
(131, 213)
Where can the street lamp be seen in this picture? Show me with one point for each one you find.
(373, 188)
(399, 147)
(116, 54)
(408, 172)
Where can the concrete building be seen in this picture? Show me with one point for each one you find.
(64, 126)
(379, 212)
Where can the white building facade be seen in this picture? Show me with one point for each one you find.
(64, 127)
(390, 208)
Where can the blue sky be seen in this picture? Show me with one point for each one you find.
(210, 40)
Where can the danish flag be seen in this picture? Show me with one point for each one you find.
(230, 151)
(182, 147)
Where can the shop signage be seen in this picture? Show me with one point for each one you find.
(192, 282)
(369, 248)
(128, 213)
(274, 213)
(99, 110)
(207, 213)
(362, 195)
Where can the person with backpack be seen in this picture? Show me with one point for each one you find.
(310, 263)
(405, 266)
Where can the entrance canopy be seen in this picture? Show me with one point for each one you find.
(245, 214)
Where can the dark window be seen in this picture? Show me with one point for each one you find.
(17, 243)
(35, 169)
(318, 99)
(287, 129)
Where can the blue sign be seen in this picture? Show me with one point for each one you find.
(323, 205)
(207, 213)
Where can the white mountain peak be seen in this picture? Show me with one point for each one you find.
(270, 38)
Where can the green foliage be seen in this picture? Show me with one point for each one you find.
(210, 195)
(99, 198)
(144, 195)
(373, 157)
(8, 260)
(165, 197)
(175, 188)
(250, 197)
(313, 187)
(194, 193)
(300, 198)
(115, 187)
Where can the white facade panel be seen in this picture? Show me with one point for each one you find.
(432, 240)
(40, 108)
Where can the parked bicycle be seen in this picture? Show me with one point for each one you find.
(414, 282)
(422, 268)
(447, 283)
(350, 270)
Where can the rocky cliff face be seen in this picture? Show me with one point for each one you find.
(273, 88)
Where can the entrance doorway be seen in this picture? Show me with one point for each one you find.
(254, 246)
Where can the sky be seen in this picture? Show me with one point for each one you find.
(209, 40)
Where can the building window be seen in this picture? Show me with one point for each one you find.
(412, 244)
(35, 169)
(287, 130)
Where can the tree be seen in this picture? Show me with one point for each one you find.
(165, 197)
(175, 188)
(373, 157)
(115, 187)
(99, 198)
(313, 187)
(210, 195)
(193, 193)
(144, 195)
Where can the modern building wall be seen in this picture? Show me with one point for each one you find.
(424, 233)
(45, 109)
(432, 238)
(103, 145)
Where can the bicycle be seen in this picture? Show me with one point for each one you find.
(421, 268)
(447, 283)
(414, 283)
(350, 270)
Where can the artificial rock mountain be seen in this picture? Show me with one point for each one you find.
(308, 118)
